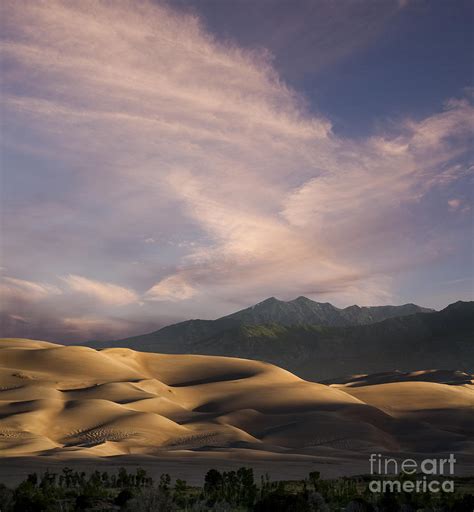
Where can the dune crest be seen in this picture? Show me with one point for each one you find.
(77, 401)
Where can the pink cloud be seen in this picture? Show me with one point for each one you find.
(164, 129)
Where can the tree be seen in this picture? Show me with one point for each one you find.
(140, 477)
(314, 477)
(105, 479)
(67, 473)
(248, 489)
(213, 484)
(122, 478)
(164, 484)
(179, 494)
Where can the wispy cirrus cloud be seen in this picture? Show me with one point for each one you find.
(386, 171)
(135, 124)
(13, 288)
(107, 293)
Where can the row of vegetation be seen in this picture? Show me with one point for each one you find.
(72, 491)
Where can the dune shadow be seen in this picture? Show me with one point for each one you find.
(214, 379)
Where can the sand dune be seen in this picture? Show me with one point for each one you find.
(75, 401)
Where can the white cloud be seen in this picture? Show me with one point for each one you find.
(107, 293)
(457, 204)
(18, 289)
(165, 130)
(172, 288)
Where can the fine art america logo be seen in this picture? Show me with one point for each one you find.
(423, 474)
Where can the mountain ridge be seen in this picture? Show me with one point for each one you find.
(306, 311)
(299, 311)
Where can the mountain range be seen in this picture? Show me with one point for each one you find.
(304, 311)
(298, 312)
(319, 341)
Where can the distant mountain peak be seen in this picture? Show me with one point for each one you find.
(304, 300)
(270, 300)
(459, 305)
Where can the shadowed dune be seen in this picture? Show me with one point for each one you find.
(75, 401)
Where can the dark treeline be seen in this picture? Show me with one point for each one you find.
(71, 491)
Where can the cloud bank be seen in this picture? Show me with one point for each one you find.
(156, 173)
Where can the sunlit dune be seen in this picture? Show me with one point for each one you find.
(76, 401)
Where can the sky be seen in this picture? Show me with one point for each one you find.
(165, 161)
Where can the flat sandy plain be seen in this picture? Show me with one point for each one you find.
(69, 405)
